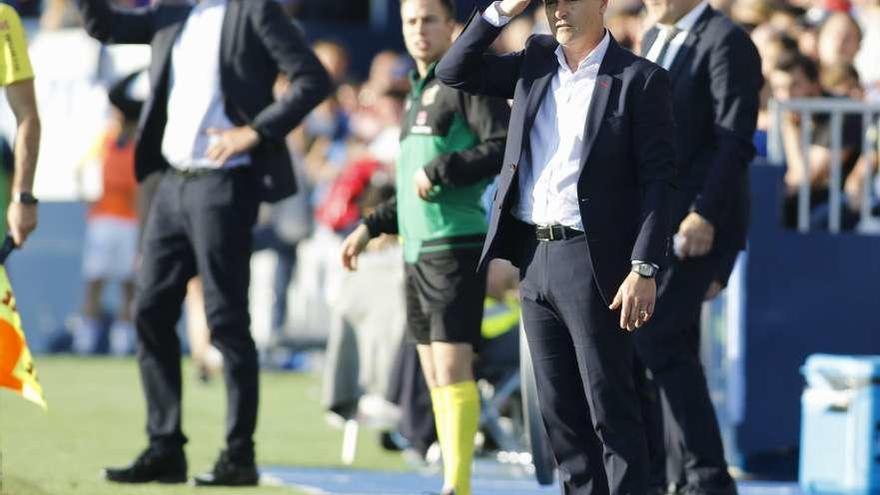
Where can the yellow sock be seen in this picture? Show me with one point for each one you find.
(438, 402)
(462, 403)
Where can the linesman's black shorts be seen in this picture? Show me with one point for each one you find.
(444, 297)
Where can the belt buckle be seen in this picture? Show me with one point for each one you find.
(545, 233)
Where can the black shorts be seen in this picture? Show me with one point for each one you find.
(444, 297)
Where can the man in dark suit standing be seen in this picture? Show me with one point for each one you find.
(716, 77)
(214, 132)
(581, 209)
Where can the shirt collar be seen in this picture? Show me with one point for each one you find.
(204, 4)
(689, 20)
(593, 58)
(418, 82)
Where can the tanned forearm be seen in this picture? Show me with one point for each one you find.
(27, 140)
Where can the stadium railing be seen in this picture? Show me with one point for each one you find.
(837, 109)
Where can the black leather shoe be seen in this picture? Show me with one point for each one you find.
(164, 466)
(228, 472)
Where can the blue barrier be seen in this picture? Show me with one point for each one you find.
(794, 295)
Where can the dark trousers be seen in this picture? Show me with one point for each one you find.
(669, 347)
(198, 225)
(584, 370)
(409, 390)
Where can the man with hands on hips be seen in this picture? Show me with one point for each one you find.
(213, 131)
(581, 209)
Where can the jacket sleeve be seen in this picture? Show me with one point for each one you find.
(383, 220)
(310, 82)
(468, 67)
(111, 25)
(725, 268)
(488, 118)
(654, 141)
(735, 84)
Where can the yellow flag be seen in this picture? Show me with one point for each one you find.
(17, 371)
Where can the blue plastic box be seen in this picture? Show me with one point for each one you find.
(840, 425)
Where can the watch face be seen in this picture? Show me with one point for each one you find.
(645, 270)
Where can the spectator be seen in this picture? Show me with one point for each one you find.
(838, 41)
(367, 316)
(798, 77)
(112, 229)
(868, 16)
(625, 24)
(842, 80)
(324, 138)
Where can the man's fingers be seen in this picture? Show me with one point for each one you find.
(17, 236)
(618, 299)
(624, 313)
(352, 257)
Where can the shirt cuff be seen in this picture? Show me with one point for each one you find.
(493, 16)
(639, 262)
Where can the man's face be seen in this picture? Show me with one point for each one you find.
(839, 40)
(573, 20)
(668, 11)
(791, 85)
(427, 29)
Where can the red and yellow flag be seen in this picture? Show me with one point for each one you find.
(17, 371)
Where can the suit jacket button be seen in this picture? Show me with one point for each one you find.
(585, 200)
(513, 167)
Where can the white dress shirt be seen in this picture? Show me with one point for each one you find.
(195, 99)
(548, 181)
(684, 25)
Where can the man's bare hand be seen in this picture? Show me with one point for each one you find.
(635, 299)
(353, 245)
(22, 220)
(423, 185)
(230, 142)
(513, 8)
(698, 236)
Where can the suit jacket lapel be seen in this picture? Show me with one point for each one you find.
(601, 93)
(544, 74)
(685, 53)
(163, 60)
(648, 40)
(229, 30)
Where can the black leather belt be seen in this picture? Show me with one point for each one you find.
(555, 232)
(189, 173)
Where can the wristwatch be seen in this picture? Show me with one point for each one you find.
(25, 198)
(646, 270)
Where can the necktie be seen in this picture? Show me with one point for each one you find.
(670, 33)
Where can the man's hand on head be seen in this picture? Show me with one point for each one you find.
(512, 8)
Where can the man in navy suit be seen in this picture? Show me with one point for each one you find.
(213, 131)
(581, 209)
(716, 77)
